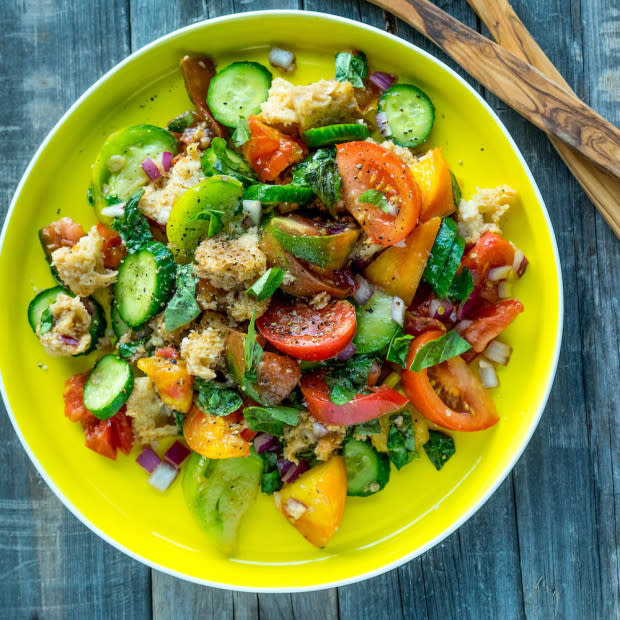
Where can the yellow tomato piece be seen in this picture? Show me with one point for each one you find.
(172, 380)
(314, 503)
(213, 436)
(399, 270)
(433, 176)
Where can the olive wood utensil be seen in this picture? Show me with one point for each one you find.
(523, 87)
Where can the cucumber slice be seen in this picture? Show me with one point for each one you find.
(375, 325)
(46, 298)
(273, 194)
(108, 386)
(184, 229)
(409, 113)
(219, 492)
(219, 159)
(117, 172)
(118, 325)
(145, 283)
(237, 91)
(368, 471)
(334, 134)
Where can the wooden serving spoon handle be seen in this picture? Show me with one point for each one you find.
(508, 30)
(545, 104)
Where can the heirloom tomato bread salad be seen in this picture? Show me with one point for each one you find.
(300, 300)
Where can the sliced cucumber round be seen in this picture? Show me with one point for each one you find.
(145, 283)
(219, 159)
(368, 471)
(273, 194)
(334, 134)
(375, 325)
(108, 386)
(237, 91)
(409, 113)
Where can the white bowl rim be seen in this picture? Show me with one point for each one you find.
(465, 517)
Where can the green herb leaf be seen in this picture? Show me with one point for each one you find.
(401, 440)
(439, 448)
(128, 349)
(178, 419)
(182, 308)
(242, 133)
(347, 380)
(270, 480)
(439, 350)
(267, 284)
(219, 159)
(270, 419)
(215, 220)
(456, 189)
(181, 122)
(375, 197)
(132, 226)
(372, 427)
(351, 68)
(462, 286)
(399, 348)
(215, 398)
(46, 322)
(252, 352)
(320, 173)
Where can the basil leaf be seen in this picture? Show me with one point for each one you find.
(375, 197)
(347, 380)
(132, 226)
(445, 258)
(401, 440)
(178, 419)
(128, 349)
(252, 352)
(242, 133)
(215, 398)
(439, 448)
(439, 350)
(320, 174)
(372, 427)
(215, 220)
(182, 308)
(351, 68)
(46, 322)
(267, 284)
(456, 189)
(219, 159)
(270, 480)
(181, 122)
(399, 348)
(270, 419)
(462, 286)
(442, 286)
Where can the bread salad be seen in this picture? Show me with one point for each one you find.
(300, 300)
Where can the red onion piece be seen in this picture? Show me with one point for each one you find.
(148, 459)
(383, 125)
(498, 352)
(88, 306)
(115, 210)
(70, 340)
(398, 310)
(163, 476)
(151, 169)
(441, 309)
(382, 80)
(461, 326)
(177, 453)
(264, 442)
(166, 160)
(283, 59)
(499, 273)
(503, 289)
(292, 471)
(319, 431)
(488, 376)
(520, 263)
(347, 352)
(295, 509)
(364, 291)
(335, 227)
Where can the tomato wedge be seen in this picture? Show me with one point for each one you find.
(306, 333)
(490, 322)
(470, 407)
(364, 166)
(113, 249)
(362, 408)
(63, 233)
(492, 250)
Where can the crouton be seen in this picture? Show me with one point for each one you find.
(70, 333)
(302, 438)
(81, 267)
(203, 348)
(482, 212)
(238, 305)
(151, 419)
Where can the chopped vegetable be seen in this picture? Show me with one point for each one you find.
(132, 225)
(439, 350)
(215, 398)
(439, 448)
(182, 308)
(267, 284)
(351, 67)
(270, 419)
(320, 173)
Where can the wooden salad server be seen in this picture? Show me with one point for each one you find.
(551, 107)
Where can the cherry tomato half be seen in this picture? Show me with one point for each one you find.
(489, 322)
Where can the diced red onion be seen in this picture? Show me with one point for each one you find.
(335, 228)
(289, 472)
(70, 340)
(499, 273)
(488, 377)
(294, 508)
(441, 309)
(151, 169)
(498, 352)
(264, 442)
(520, 263)
(177, 453)
(89, 307)
(383, 125)
(364, 291)
(401, 244)
(392, 208)
(398, 310)
(359, 264)
(148, 459)
(163, 476)
(503, 289)
(347, 352)
(461, 326)
(166, 160)
(282, 58)
(382, 80)
(253, 209)
(319, 431)
(116, 210)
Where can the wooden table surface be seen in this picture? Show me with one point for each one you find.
(546, 543)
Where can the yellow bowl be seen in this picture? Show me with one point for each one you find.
(420, 506)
